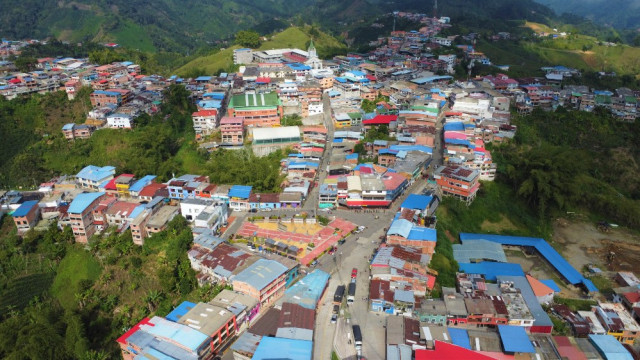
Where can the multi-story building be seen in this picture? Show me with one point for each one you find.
(119, 212)
(26, 216)
(214, 321)
(205, 121)
(402, 232)
(120, 121)
(81, 215)
(232, 130)
(160, 338)
(112, 96)
(160, 219)
(457, 181)
(264, 280)
(185, 186)
(618, 322)
(257, 110)
(91, 177)
(75, 131)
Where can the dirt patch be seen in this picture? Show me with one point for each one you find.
(583, 244)
(449, 236)
(497, 227)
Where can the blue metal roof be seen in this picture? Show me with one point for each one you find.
(180, 311)
(95, 173)
(136, 211)
(491, 270)
(352, 156)
(417, 202)
(551, 284)
(68, 127)
(80, 203)
(515, 339)
(429, 79)
(104, 92)
(610, 348)
(422, 233)
(240, 191)
(454, 126)
(140, 184)
(460, 337)
(299, 67)
(261, 273)
(422, 148)
(386, 151)
(186, 337)
(410, 231)
(203, 78)
(547, 251)
(281, 348)
(24, 209)
(308, 290)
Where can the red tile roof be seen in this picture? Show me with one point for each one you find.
(151, 189)
(539, 289)
(205, 113)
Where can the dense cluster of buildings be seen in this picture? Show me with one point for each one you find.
(239, 316)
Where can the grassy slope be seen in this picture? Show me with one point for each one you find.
(133, 36)
(210, 64)
(568, 51)
(76, 266)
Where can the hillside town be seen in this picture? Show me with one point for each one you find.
(338, 261)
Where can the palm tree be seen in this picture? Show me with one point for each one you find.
(153, 298)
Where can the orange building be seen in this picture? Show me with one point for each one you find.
(257, 110)
(458, 181)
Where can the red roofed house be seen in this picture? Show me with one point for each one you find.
(541, 291)
(152, 190)
(125, 347)
(205, 121)
(71, 87)
(389, 120)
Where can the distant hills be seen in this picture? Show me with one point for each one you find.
(620, 14)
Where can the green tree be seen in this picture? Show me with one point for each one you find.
(26, 63)
(248, 38)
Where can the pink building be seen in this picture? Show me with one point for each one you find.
(231, 129)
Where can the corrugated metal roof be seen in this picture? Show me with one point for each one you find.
(80, 203)
(289, 349)
(610, 348)
(515, 339)
(261, 273)
(547, 251)
(308, 290)
(24, 209)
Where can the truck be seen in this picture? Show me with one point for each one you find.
(352, 293)
(339, 294)
(357, 338)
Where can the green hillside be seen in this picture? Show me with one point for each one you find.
(578, 51)
(293, 37)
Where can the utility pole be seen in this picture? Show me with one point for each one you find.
(435, 9)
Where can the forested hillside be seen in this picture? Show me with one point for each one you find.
(574, 161)
(621, 14)
(34, 150)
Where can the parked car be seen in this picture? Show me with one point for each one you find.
(334, 318)
(354, 273)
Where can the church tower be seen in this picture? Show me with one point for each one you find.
(313, 59)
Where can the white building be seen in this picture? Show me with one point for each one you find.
(120, 121)
(205, 121)
(191, 208)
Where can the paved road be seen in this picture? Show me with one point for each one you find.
(311, 204)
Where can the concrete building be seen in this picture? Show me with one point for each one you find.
(268, 140)
(120, 121)
(242, 56)
(457, 181)
(81, 216)
(205, 121)
(232, 131)
(257, 110)
(91, 177)
(160, 219)
(216, 322)
(263, 280)
(26, 216)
